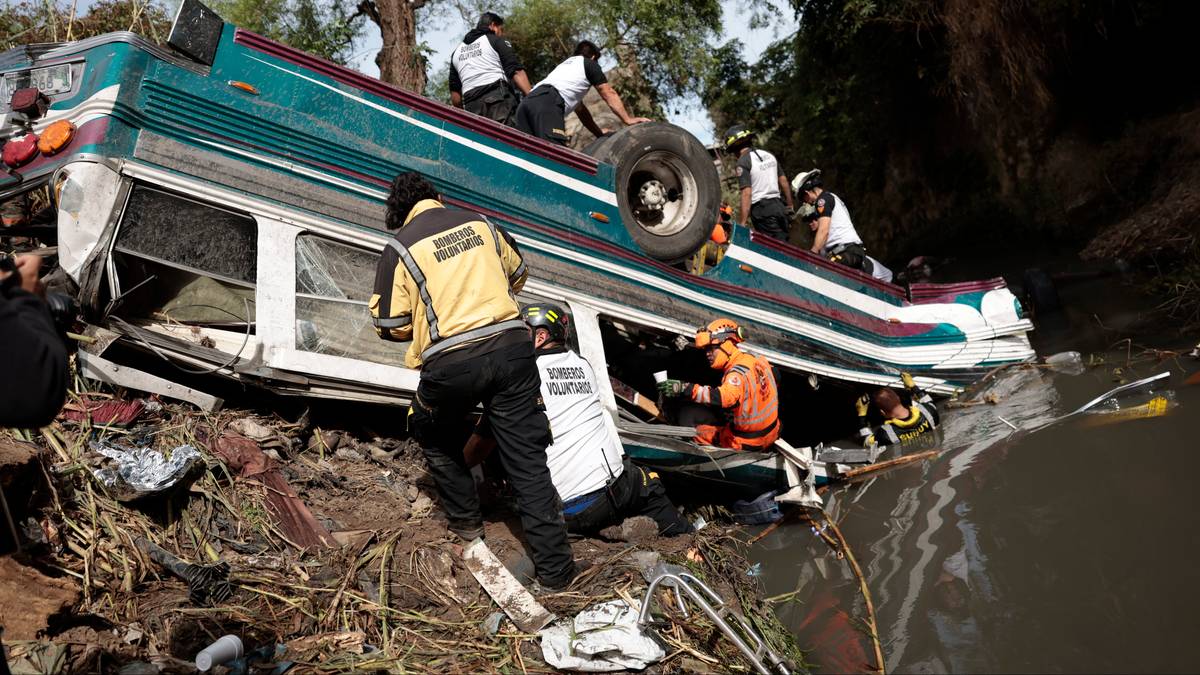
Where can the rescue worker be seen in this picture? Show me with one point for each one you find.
(901, 424)
(747, 392)
(834, 236)
(446, 282)
(544, 111)
(598, 484)
(761, 181)
(483, 71)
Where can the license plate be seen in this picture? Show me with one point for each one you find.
(50, 80)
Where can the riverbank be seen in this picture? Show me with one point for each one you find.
(319, 547)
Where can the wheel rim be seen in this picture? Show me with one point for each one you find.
(662, 193)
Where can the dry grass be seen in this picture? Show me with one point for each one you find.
(395, 599)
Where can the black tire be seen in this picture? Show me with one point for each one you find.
(1040, 294)
(667, 187)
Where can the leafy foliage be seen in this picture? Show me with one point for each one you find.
(927, 114)
(30, 21)
(323, 28)
(665, 42)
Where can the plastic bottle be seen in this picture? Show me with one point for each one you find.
(1068, 363)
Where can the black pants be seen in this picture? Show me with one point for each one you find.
(769, 216)
(543, 114)
(505, 380)
(495, 101)
(636, 492)
(852, 255)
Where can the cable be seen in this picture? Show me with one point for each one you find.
(132, 333)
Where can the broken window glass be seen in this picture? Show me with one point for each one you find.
(179, 259)
(334, 281)
(187, 233)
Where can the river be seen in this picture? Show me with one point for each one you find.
(1069, 548)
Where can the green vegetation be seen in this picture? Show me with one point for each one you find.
(32, 21)
(947, 123)
(320, 27)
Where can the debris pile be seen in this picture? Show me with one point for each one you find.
(148, 531)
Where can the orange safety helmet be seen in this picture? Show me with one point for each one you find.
(724, 334)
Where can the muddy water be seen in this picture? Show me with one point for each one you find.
(1071, 548)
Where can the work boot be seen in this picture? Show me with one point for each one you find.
(467, 531)
(540, 587)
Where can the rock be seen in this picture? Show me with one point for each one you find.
(348, 455)
(380, 455)
(422, 506)
(251, 429)
(330, 440)
(635, 529)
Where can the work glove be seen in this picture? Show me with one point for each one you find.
(907, 379)
(682, 342)
(673, 387)
(860, 406)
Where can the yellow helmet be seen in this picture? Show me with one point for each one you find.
(724, 335)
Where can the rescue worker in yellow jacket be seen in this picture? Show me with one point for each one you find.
(447, 282)
(747, 393)
(900, 424)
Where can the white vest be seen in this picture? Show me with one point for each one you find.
(478, 65)
(586, 447)
(570, 81)
(764, 175)
(841, 228)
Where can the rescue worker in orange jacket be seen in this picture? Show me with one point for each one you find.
(747, 393)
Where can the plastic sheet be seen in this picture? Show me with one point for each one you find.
(141, 472)
(602, 638)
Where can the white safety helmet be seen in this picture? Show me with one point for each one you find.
(812, 178)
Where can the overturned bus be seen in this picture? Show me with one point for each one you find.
(219, 201)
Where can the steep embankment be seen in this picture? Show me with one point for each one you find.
(1026, 127)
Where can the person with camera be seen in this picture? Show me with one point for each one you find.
(33, 355)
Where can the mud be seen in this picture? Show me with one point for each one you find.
(29, 598)
(392, 594)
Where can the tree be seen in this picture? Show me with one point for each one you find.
(401, 60)
(29, 22)
(666, 44)
(320, 27)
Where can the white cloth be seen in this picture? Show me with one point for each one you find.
(571, 81)
(586, 451)
(477, 63)
(841, 227)
(602, 638)
(879, 271)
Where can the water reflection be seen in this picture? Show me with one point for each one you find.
(983, 559)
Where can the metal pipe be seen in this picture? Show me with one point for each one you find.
(680, 582)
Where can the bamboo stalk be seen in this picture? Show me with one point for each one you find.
(866, 592)
(871, 469)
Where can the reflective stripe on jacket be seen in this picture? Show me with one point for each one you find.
(447, 279)
(922, 419)
(748, 387)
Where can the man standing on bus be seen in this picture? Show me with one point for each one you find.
(483, 71)
(544, 111)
